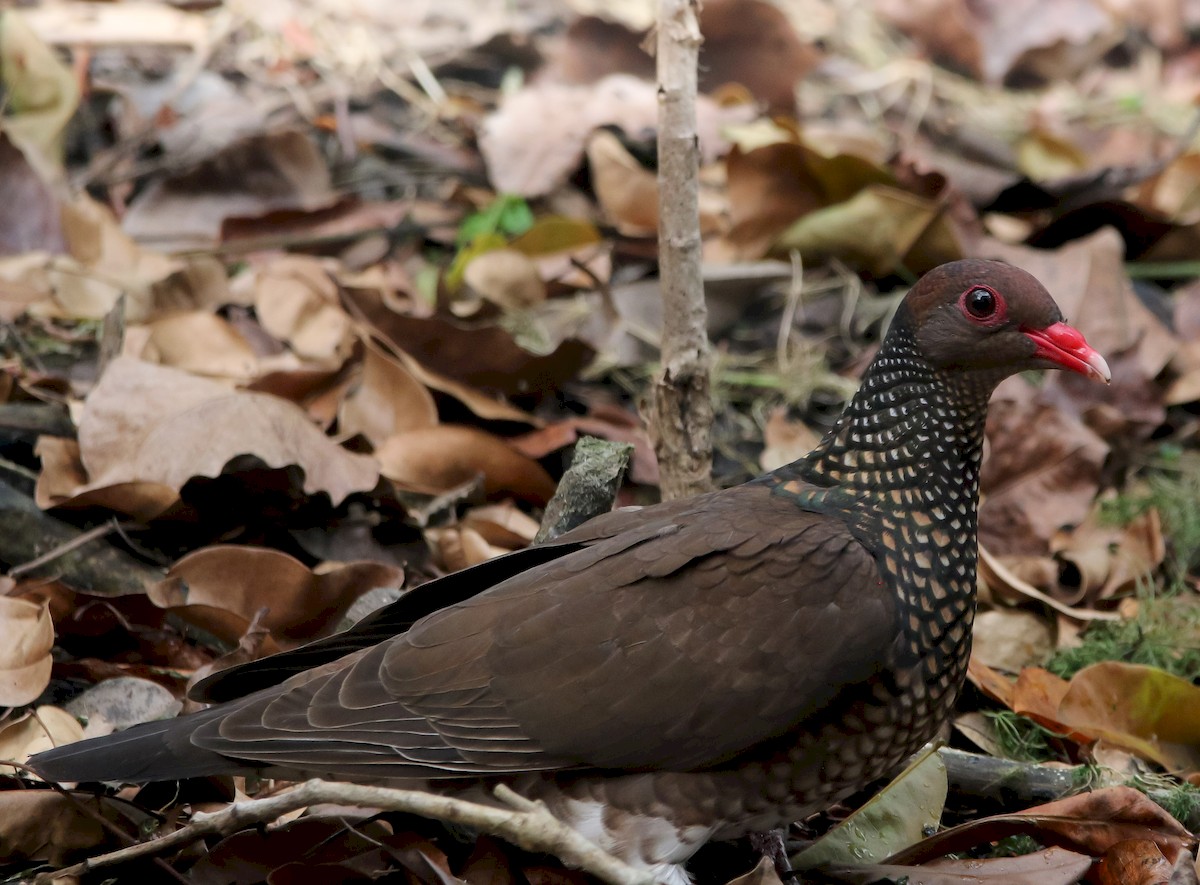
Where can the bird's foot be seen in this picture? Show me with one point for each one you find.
(769, 843)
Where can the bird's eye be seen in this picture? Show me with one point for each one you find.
(980, 303)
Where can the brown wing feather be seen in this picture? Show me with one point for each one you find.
(679, 642)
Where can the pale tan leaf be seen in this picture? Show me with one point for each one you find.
(25, 660)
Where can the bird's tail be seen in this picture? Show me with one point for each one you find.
(148, 752)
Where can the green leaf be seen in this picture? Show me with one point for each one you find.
(893, 820)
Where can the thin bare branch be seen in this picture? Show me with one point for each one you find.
(530, 826)
(682, 402)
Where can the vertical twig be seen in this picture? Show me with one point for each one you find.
(682, 411)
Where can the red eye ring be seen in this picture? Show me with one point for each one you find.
(983, 305)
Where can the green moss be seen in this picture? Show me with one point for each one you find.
(1173, 490)
(1163, 635)
(1015, 846)
(1022, 739)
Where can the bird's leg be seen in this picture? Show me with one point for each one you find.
(769, 843)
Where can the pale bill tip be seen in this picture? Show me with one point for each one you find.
(1098, 368)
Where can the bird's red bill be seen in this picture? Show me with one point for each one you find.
(1064, 345)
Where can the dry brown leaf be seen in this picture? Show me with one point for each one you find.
(1173, 192)
(1143, 709)
(482, 356)
(785, 441)
(257, 175)
(879, 228)
(25, 286)
(104, 264)
(606, 423)
(567, 251)
(145, 423)
(774, 179)
(1053, 866)
(748, 42)
(320, 392)
(45, 825)
(202, 343)
(1134, 862)
(507, 278)
(1043, 471)
(63, 483)
(221, 589)
(1099, 561)
(437, 459)
(564, 116)
(460, 547)
(38, 730)
(489, 408)
(296, 300)
(626, 191)
(991, 682)
(1090, 823)
(1003, 582)
(994, 38)
(25, 660)
(387, 400)
(502, 525)
(1037, 694)
(1010, 639)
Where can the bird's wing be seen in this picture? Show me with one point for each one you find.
(677, 644)
(399, 616)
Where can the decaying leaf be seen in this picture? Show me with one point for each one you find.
(37, 730)
(1010, 639)
(889, 822)
(436, 459)
(25, 660)
(150, 424)
(1038, 455)
(1089, 823)
(1099, 561)
(1143, 709)
(387, 400)
(49, 826)
(221, 588)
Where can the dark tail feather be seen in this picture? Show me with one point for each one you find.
(154, 751)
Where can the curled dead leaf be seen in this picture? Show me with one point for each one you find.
(505, 277)
(387, 400)
(48, 826)
(437, 459)
(38, 730)
(1091, 823)
(1042, 473)
(202, 343)
(25, 660)
(1143, 709)
(222, 588)
(1010, 638)
(1099, 561)
(296, 300)
(150, 424)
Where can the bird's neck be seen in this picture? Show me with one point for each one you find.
(902, 467)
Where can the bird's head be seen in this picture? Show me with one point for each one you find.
(978, 314)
